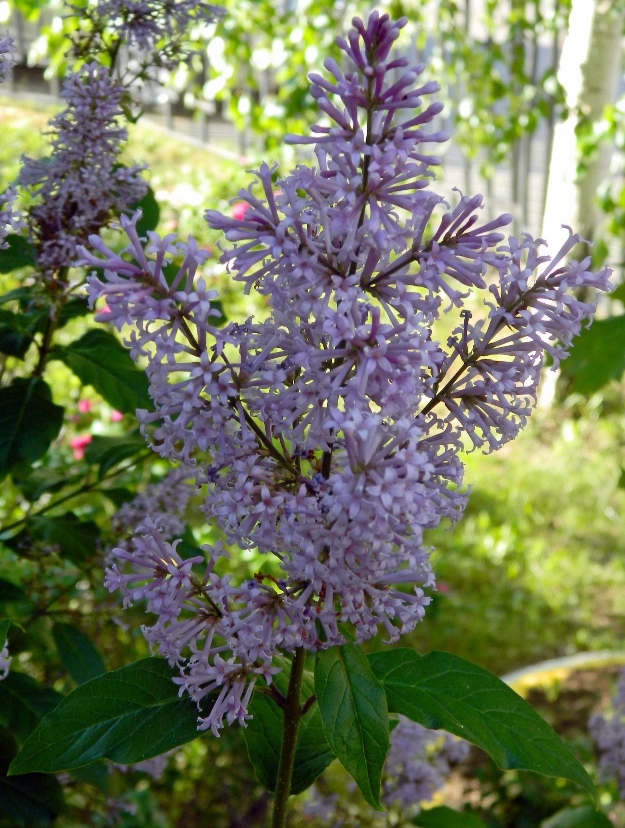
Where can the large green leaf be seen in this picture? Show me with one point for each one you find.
(354, 715)
(24, 702)
(78, 655)
(444, 817)
(597, 355)
(99, 359)
(75, 539)
(584, 816)
(263, 736)
(127, 715)
(29, 422)
(19, 253)
(441, 690)
(35, 799)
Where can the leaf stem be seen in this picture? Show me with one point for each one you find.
(292, 714)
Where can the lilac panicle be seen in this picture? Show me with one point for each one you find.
(608, 731)
(10, 218)
(328, 435)
(5, 660)
(81, 185)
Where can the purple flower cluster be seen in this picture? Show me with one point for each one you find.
(10, 219)
(7, 60)
(417, 766)
(328, 434)
(164, 501)
(145, 23)
(81, 185)
(5, 660)
(608, 731)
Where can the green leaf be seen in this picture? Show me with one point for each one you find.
(354, 714)
(29, 422)
(20, 253)
(78, 655)
(37, 482)
(35, 799)
(583, 817)
(11, 593)
(107, 452)
(15, 336)
(263, 736)
(99, 359)
(4, 629)
(444, 817)
(151, 212)
(76, 540)
(597, 355)
(128, 715)
(20, 294)
(441, 690)
(24, 702)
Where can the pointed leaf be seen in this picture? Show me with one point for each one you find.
(263, 736)
(29, 422)
(127, 715)
(95, 774)
(99, 359)
(354, 715)
(78, 655)
(443, 691)
(444, 817)
(11, 593)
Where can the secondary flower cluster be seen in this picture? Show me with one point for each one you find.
(82, 184)
(608, 731)
(10, 219)
(5, 660)
(328, 434)
(153, 32)
(417, 766)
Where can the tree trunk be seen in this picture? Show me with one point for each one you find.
(589, 71)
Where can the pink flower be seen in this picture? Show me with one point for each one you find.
(116, 416)
(239, 209)
(77, 444)
(84, 406)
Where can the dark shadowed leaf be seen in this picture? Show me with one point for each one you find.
(107, 452)
(75, 540)
(28, 801)
(597, 355)
(444, 817)
(10, 593)
(127, 715)
(29, 422)
(441, 690)
(78, 655)
(263, 737)
(24, 702)
(354, 715)
(95, 774)
(99, 359)
(19, 253)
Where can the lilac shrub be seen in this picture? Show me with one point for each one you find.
(328, 435)
(608, 731)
